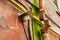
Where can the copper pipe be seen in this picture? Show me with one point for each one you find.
(32, 16)
(46, 26)
(20, 7)
(41, 9)
(41, 4)
(17, 5)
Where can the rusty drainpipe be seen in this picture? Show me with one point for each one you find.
(46, 22)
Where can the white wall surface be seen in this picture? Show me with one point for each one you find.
(58, 1)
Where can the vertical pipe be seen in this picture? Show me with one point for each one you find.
(41, 10)
(29, 32)
(41, 5)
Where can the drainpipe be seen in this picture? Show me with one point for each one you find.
(46, 22)
(41, 4)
